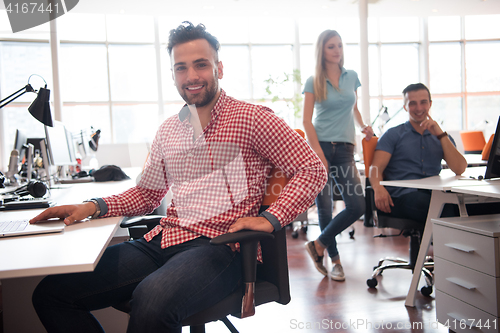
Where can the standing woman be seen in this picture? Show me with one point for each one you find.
(332, 93)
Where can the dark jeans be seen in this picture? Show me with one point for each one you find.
(415, 206)
(343, 173)
(166, 286)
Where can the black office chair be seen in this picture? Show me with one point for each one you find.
(263, 282)
(407, 228)
(270, 278)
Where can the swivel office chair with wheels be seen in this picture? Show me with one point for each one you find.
(263, 283)
(407, 228)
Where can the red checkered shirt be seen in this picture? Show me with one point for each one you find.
(221, 175)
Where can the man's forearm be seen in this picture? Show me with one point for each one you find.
(375, 176)
(455, 160)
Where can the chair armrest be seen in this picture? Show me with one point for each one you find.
(140, 220)
(241, 236)
(249, 241)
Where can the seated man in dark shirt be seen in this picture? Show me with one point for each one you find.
(412, 150)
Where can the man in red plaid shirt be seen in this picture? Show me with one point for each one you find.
(214, 156)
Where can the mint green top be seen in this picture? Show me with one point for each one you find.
(334, 117)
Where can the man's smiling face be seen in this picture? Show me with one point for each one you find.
(196, 72)
(418, 104)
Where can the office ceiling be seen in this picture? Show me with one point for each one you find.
(289, 8)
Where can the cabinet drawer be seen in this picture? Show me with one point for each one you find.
(467, 249)
(459, 316)
(472, 287)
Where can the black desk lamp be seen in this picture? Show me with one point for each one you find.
(40, 107)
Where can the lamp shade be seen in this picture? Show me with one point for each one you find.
(40, 107)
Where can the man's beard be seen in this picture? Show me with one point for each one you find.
(203, 98)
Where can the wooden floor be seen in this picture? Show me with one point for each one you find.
(320, 304)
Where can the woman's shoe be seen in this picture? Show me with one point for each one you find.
(318, 260)
(337, 273)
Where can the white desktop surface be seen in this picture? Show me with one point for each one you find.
(475, 160)
(77, 249)
(446, 188)
(487, 188)
(25, 260)
(444, 182)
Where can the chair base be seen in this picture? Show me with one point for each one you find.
(201, 328)
(398, 263)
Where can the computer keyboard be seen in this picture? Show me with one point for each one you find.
(6, 226)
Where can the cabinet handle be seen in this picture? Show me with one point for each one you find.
(460, 247)
(461, 283)
(460, 319)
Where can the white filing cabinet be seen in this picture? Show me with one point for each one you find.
(467, 272)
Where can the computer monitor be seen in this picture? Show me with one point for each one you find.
(493, 167)
(19, 142)
(59, 145)
(82, 139)
(71, 144)
(37, 148)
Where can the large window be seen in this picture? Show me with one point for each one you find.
(115, 73)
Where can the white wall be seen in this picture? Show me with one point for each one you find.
(123, 155)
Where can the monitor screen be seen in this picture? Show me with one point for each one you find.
(58, 145)
(493, 167)
(82, 139)
(19, 142)
(36, 144)
(71, 145)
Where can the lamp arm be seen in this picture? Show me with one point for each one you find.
(382, 109)
(27, 88)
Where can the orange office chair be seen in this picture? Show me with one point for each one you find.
(473, 141)
(407, 228)
(485, 155)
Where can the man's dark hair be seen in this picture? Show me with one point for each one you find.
(416, 86)
(187, 32)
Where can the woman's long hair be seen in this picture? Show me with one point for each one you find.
(320, 71)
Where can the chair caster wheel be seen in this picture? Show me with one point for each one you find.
(295, 234)
(426, 291)
(371, 283)
(351, 234)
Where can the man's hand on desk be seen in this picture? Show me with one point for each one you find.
(383, 199)
(70, 213)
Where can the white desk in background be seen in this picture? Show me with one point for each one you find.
(25, 260)
(446, 188)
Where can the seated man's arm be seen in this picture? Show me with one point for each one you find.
(383, 199)
(456, 161)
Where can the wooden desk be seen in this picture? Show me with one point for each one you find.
(446, 188)
(24, 261)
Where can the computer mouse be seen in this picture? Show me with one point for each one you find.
(82, 174)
